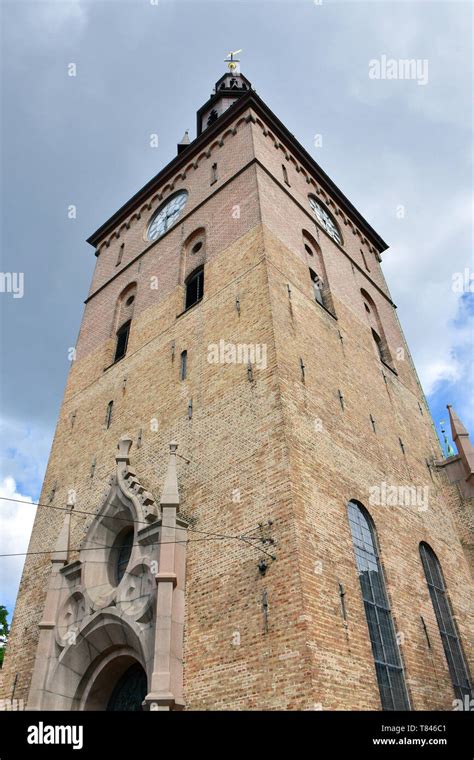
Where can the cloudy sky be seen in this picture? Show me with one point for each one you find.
(400, 149)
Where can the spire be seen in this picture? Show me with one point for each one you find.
(170, 494)
(184, 142)
(230, 87)
(463, 444)
(61, 549)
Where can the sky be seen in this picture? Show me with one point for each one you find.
(399, 148)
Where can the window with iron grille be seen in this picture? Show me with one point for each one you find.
(446, 623)
(388, 665)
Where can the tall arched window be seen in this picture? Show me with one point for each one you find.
(446, 624)
(317, 272)
(388, 665)
(193, 254)
(123, 319)
(122, 341)
(377, 331)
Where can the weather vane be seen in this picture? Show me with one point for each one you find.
(233, 63)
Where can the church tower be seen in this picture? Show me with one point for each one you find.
(246, 505)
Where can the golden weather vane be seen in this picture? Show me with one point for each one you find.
(233, 63)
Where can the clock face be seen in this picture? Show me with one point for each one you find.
(167, 215)
(325, 219)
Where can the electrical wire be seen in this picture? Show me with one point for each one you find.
(210, 536)
(114, 517)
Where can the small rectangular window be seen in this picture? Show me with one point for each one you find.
(184, 365)
(285, 175)
(214, 176)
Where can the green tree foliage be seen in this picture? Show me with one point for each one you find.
(4, 631)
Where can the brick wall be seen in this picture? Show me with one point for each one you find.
(268, 448)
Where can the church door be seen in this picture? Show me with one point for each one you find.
(129, 691)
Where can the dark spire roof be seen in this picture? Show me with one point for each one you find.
(184, 142)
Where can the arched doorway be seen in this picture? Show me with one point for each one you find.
(115, 682)
(129, 691)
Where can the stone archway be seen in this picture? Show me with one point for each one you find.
(99, 622)
(116, 682)
(88, 670)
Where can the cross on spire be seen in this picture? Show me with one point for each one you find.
(233, 63)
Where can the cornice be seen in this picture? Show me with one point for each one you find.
(186, 160)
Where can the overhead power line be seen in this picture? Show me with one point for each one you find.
(209, 534)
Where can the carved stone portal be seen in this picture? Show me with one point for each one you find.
(120, 605)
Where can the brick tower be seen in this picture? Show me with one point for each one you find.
(246, 505)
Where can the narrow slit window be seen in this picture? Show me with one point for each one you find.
(108, 415)
(285, 175)
(214, 176)
(120, 255)
(184, 365)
